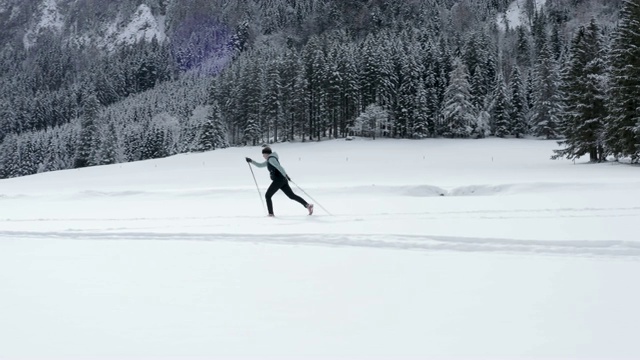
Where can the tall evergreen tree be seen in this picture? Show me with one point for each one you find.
(300, 104)
(109, 147)
(372, 122)
(623, 131)
(10, 157)
(584, 93)
(458, 112)
(334, 90)
(410, 78)
(350, 97)
(523, 47)
(214, 131)
(370, 74)
(90, 108)
(501, 109)
(518, 104)
(422, 113)
(547, 100)
(273, 108)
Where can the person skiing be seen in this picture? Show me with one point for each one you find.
(280, 179)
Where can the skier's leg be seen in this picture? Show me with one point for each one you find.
(287, 190)
(270, 191)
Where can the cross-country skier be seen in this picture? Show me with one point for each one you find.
(280, 179)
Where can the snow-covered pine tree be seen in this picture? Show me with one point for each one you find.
(214, 131)
(430, 85)
(584, 86)
(53, 157)
(409, 79)
(90, 108)
(458, 112)
(479, 89)
(133, 143)
(523, 47)
(556, 41)
(422, 114)
(273, 99)
(251, 130)
(389, 46)
(350, 87)
(288, 73)
(546, 106)
(623, 129)
(518, 104)
(475, 57)
(501, 109)
(300, 103)
(370, 70)
(314, 65)
(10, 157)
(249, 100)
(334, 83)
(372, 122)
(206, 141)
(539, 34)
(109, 149)
(28, 154)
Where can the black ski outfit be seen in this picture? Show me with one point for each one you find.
(279, 180)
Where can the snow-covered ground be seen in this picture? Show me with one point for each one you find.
(470, 248)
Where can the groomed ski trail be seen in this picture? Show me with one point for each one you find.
(608, 249)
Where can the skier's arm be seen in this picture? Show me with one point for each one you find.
(277, 165)
(257, 164)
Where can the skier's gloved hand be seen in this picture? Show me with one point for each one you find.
(248, 159)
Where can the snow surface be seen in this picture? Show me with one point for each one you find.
(515, 15)
(468, 248)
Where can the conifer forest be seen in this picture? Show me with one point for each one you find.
(95, 82)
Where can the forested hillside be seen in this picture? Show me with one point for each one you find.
(91, 82)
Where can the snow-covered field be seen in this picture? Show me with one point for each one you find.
(435, 248)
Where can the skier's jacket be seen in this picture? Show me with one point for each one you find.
(276, 171)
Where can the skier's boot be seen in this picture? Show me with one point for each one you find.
(310, 208)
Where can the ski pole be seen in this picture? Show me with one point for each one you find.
(257, 188)
(312, 199)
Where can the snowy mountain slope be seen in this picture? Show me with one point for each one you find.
(49, 19)
(125, 28)
(516, 14)
(142, 25)
(476, 248)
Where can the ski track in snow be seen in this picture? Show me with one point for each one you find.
(424, 190)
(542, 213)
(586, 248)
(207, 228)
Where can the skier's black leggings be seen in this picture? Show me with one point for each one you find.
(281, 184)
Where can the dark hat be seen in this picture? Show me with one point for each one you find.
(266, 150)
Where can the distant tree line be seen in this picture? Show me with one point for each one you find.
(269, 71)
